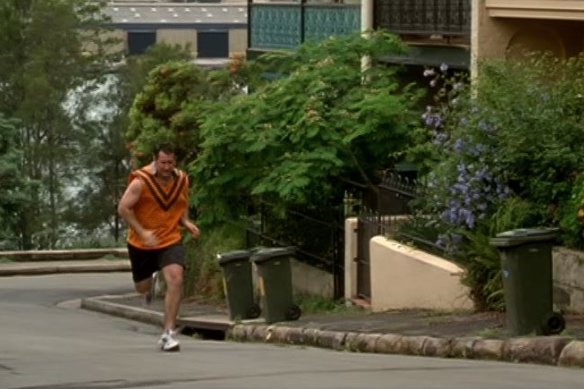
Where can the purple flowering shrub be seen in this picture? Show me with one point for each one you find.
(463, 185)
(501, 155)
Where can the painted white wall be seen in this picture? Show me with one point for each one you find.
(404, 277)
(350, 255)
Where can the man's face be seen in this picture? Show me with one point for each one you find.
(165, 164)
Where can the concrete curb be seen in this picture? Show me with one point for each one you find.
(553, 350)
(107, 304)
(549, 350)
(62, 255)
(138, 314)
(85, 266)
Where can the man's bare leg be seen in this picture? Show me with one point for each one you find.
(173, 275)
(143, 286)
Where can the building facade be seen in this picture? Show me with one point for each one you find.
(213, 31)
(508, 28)
(437, 31)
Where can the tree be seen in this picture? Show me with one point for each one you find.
(321, 126)
(15, 190)
(47, 50)
(170, 107)
(104, 129)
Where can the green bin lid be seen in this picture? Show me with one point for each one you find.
(233, 256)
(266, 254)
(524, 235)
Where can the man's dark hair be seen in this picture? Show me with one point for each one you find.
(166, 148)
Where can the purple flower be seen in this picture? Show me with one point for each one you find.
(442, 241)
(459, 145)
(440, 138)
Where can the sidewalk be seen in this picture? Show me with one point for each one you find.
(67, 266)
(408, 332)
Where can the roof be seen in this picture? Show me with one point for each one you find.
(176, 13)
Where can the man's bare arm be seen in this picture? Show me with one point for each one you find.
(126, 211)
(187, 223)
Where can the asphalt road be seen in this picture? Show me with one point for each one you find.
(47, 342)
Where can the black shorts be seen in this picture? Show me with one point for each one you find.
(146, 262)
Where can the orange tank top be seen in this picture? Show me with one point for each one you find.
(160, 208)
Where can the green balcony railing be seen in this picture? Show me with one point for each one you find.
(286, 25)
(278, 24)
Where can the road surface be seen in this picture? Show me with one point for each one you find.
(48, 342)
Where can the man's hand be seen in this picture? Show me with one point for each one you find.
(149, 238)
(580, 214)
(192, 228)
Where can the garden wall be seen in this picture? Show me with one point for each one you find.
(568, 275)
(568, 270)
(403, 277)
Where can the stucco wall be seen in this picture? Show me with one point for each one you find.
(181, 37)
(350, 255)
(404, 277)
(310, 280)
(237, 41)
(509, 37)
(568, 275)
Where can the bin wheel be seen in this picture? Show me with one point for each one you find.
(254, 312)
(553, 324)
(293, 312)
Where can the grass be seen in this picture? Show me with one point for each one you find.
(313, 304)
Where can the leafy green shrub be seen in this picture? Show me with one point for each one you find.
(501, 156)
(301, 138)
(203, 278)
(170, 107)
(572, 228)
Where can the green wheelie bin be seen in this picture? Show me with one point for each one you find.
(526, 267)
(275, 283)
(238, 284)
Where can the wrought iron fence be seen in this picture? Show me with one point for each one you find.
(317, 234)
(380, 214)
(424, 17)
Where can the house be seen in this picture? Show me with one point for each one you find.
(437, 31)
(214, 31)
(506, 28)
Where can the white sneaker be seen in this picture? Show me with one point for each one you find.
(168, 341)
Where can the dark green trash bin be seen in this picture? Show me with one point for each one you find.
(275, 284)
(526, 266)
(238, 284)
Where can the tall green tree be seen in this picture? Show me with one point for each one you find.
(105, 144)
(171, 106)
(48, 49)
(15, 190)
(322, 126)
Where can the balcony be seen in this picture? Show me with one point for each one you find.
(276, 25)
(424, 17)
(540, 9)
(437, 30)
(286, 25)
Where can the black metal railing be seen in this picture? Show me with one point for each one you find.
(318, 236)
(424, 17)
(380, 213)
